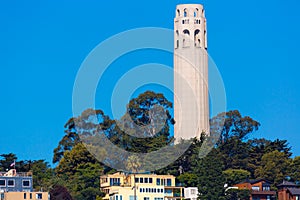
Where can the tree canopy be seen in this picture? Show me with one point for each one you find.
(233, 159)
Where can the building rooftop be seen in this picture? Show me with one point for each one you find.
(14, 173)
(286, 184)
(294, 191)
(253, 181)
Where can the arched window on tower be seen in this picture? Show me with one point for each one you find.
(185, 31)
(205, 36)
(197, 40)
(186, 38)
(178, 13)
(185, 12)
(196, 12)
(177, 39)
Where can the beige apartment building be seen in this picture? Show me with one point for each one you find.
(121, 186)
(24, 195)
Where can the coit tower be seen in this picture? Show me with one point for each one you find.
(191, 102)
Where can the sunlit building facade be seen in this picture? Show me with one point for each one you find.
(121, 186)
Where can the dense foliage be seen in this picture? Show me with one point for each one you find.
(234, 157)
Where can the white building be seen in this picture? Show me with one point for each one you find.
(191, 193)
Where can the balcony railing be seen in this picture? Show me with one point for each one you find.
(115, 184)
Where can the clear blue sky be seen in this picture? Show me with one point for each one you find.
(255, 45)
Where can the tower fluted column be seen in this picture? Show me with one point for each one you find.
(191, 102)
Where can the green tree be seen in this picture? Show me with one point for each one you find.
(210, 177)
(66, 143)
(259, 147)
(42, 174)
(80, 173)
(89, 122)
(274, 167)
(233, 124)
(133, 164)
(234, 176)
(294, 170)
(236, 194)
(148, 121)
(188, 179)
(280, 146)
(59, 192)
(235, 153)
(186, 162)
(7, 160)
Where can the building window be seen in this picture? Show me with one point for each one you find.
(117, 197)
(255, 188)
(141, 190)
(11, 183)
(2, 182)
(30, 196)
(185, 44)
(146, 198)
(147, 190)
(121, 197)
(136, 180)
(157, 181)
(162, 190)
(114, 181)
(169, 182)
(185, 21)
(25, 195)
(39, 196)
(185, 13)
(146, 180)
(26, 183)
(193, 191)
(185, 31)
(154, 190)
(141, 180)
(169, 192)
(197, 38)
(150, 180)
(266, 188)
(131, 197)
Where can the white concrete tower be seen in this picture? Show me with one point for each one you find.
(191, 102)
